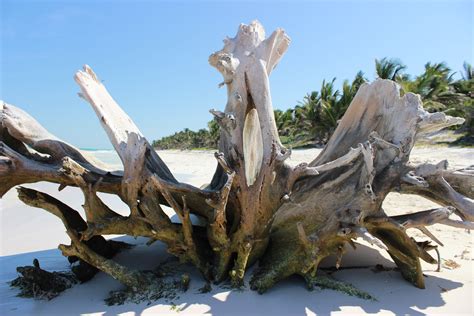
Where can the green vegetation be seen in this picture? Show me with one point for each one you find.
(187, 139)
(312, 121)
(326, 282)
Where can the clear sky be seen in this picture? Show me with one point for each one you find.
(152, 55)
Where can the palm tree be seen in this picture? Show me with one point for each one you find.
(389, 68)
(465, 108)
(466, 84)
(285, 122)
(329, 107)
(334, 103)
(349, 90)
(315, 117)
(435, 80)
(468, 71)
(214, 132)
(306, 116)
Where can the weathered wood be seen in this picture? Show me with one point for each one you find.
(382, 126)
(29, 153)
(257, 207)
(72, 221)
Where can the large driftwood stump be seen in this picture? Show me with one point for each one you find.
(257, 207)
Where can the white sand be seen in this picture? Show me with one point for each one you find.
(28, 233)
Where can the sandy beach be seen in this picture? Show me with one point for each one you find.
(28, 233)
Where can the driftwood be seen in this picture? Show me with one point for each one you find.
(37, 283)
(257, 207)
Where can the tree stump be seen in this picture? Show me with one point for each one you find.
(257, 207)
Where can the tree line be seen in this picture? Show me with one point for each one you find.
(312, 121)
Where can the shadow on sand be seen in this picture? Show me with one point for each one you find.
(289, 297)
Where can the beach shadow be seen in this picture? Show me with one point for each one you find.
(289, 297)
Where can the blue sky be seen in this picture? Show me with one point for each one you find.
(152, 55)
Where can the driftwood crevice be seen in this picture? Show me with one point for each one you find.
(257, 207)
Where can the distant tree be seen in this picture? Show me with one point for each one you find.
(315, 117)
(214, 131)
(468, 71)
(389, 68)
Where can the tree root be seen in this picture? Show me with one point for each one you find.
(257, 207)
(37, 283)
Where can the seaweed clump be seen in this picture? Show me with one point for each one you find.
(166, 285)
(325, 282)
